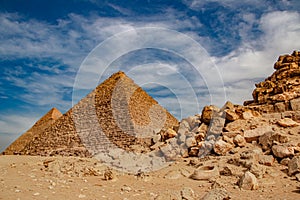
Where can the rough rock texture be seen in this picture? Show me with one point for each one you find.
(248, 181)
(280, 91)
(116, 113)
(17, 147)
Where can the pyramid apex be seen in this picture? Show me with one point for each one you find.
(54, 113)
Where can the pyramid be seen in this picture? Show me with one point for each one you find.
(117, 113)
(18, 145)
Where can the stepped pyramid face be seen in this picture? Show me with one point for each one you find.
(118, 113)
(17, 147)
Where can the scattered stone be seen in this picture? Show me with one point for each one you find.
(258, 170)
(267, 160)
(228, 140)
(226, 171)
(126, 188)
(208, 112)
(156, 138)
(253, 135)
(167, 134)
(287, 122)
(285, 161)
(295, 104)
(157, 145)
(298, 177)
(216, 126)
(231, 134)
(108, 175)
(294, 166)
(230, 115)
(247, 115)
(194, 151)
(239, 141)
(194, 121)
(282, 151)
(221, 147)
(190, 142)
(216, 194)
(205, 173)
(248, 181)
(267, 140)
(188, 193)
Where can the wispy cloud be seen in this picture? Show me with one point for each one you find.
(254, 59)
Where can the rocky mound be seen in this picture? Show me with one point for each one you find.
(117, 112)
(280, 91)
(263, 133)
(17, 147)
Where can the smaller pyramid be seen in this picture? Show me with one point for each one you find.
(20, 143)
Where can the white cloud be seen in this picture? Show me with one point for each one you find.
(254, 59)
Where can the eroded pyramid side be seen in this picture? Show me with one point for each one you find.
(17, 147)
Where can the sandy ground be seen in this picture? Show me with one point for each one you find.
(33, 177)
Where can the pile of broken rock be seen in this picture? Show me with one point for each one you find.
(258, 134)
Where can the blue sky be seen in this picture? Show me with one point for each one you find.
(43, 44)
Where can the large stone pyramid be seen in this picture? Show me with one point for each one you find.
(17, 147)
(116, 113)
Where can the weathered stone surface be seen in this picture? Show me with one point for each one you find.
(267, 140)
(221, 147)
(267, 160)
(258, 170)
(287, 122)
(253, 135)
(216, 194)
(216, 126)
(239, 141)
(282, 151)
(188, 193)
(295, 104)
(167, 134)
(190, 142)
(294, 166)
(230, 115)
(156, 138)
(247, 115)
(194, 151)
(194, 121)
(248, 181)
(208, 113)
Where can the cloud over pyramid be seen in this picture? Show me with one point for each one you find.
(117, 113)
